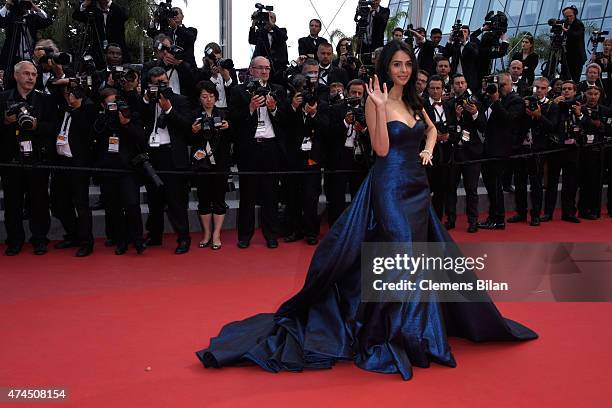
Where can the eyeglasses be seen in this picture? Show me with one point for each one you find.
(262, 68)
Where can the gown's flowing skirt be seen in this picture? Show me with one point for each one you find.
(326, 320)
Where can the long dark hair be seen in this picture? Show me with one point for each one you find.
(409, 95)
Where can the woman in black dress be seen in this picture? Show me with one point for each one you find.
(528, 57)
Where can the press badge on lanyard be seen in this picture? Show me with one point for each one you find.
(25, 146)
(113, 144)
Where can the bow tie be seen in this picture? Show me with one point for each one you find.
(437, 104)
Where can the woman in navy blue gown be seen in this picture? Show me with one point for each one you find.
(326, 321)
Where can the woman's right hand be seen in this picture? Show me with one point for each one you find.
(196, 127)
(378, 96)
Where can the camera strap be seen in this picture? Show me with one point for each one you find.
(61, 143)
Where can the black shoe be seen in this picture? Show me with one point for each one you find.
(571, 218)
(243, 244)
(535, 221)
(272, 243)
(517, 218)
(546, 218)
(182, 248)
(311, 240)
(13, 250)
(40, 248)
(588, 216)
(485, 224)
(449, 225)
(110, 243)
(65, 244)
(152, 241)
(293, 237)
(121, 249)
(140, 247)
(84, 251)
(473, 228)
(508, 189)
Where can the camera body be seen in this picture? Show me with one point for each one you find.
(163, 13)
(210, 125)
(174, 50)
(492, 84)
(59, 58)
(225, 63)
(409, 35)
(254, 88)
(154, 91)
(497, 22)
(569, 104)
(25, 117)
(261, 17)
(533, 103)
(457, 36)
(112, 109)
(306, 87)
(442, 127)
(466, 98)
(556, 26)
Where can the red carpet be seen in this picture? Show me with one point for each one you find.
(94, 325)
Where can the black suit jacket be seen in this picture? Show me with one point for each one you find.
(113, 32)
(443, 150)
(298, 126)
(184, 71)
(522, 88)
(503, 126)
(379, 25)
(575, 50)
(33, 23)
(184, 37)
(81, 134)
(43, 138)
(132, 142)
(179, 126)
(473, 148)
(308, 46)
(336, 139)
(469, 60)
(220, 143)
(543, 129)
(244, 125)
(426, 56)
(277, 52)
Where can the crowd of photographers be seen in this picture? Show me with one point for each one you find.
(174, 128)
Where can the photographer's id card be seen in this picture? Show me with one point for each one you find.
(25, 146)
(590, 138)
(113, 144)
(306, 144)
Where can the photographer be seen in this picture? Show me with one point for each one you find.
(541, 125)
(28, 134)
(503, 113)
(575, 51)
(443, 117)
(109, 76)
(443, 70)
(220, 72)
(463, 55)
(328, 73)
(519, 84)
(598, 125)
(398, 34)
(166, 118)
(14, 17)
(256, 115)
(348, 148)
(47, 69)
(528, 58)
(308, 46)
(210, 151)
(593, 79)
(308, 120)
(172, 26)
(270, 41)
(120, 140)
(70, 189)
(424, 50)
(377, 19)
(171, 60)
(569, 133)
(107, 25)
(346, 59)
(421, 83)
(467, 145)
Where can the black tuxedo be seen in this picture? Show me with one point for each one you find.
(333, 74)
(309, 46)
(522, 87)
(174, 156)
(439, 177)
(276, 52)
(303, 190)
(70, 189)
(575, 50)
(259, 155)
(467, 145)
(379, 25)
(425, 56)
(27, 146)
(502, 130)
(111, 32)
(184, 37)
(33, 23)
(469, 58)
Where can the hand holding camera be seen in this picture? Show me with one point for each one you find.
(257, 102)
(297, 101)
(310, 109)
(533, 109)
(270, 103)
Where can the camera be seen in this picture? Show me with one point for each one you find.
(497, 22)
(174, 50)
(409, 35)
(59, 58)
(306, 87)
(220, 62)
(598, 36)
(254, 88)
(23, 111)
(466, 98)
(556, 26)
(112, 109)
(261, 17)
(568, 104)
(361, 16)
(210, 125)
(163, 13)
(155, 90)
(442, 127)
(22, 6)
(457, 36)
(533, 103)
(143, 162)
(492, 84)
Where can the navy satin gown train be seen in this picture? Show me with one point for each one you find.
(326, 320)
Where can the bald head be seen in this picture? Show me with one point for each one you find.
(260, 68)
(516, 69)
